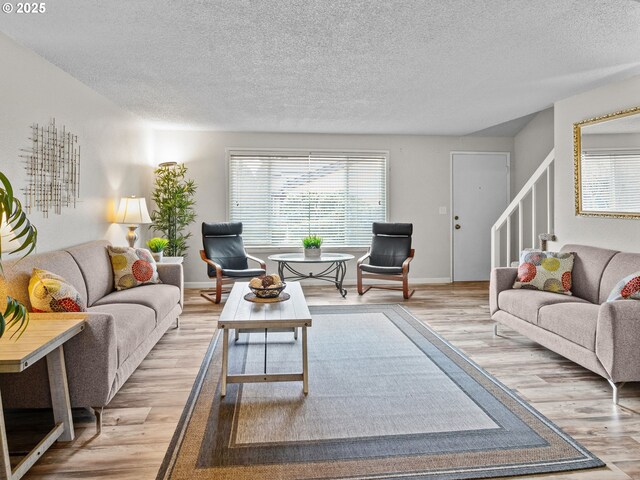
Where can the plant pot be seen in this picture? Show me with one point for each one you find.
(173, 259)
(157, 256)
(312, 252)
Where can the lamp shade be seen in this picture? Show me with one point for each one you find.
(133, 211)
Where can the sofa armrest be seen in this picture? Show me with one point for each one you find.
(617, 339)
(502, 278)
(172, 274)
(92, 360)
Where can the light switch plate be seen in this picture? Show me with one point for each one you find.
(442, 210)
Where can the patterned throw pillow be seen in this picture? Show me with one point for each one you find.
(627, 288)
(49, 292)
(548, 271)
(132, 267)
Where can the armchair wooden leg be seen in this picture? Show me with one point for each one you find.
(405, 288)
(359, 282)
(218, 290)
(210, 295)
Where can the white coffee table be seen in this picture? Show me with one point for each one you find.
(241, 314)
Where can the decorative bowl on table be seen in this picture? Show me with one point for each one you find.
(267, 286)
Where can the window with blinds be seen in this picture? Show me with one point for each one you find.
(610, 181)
(282, 197)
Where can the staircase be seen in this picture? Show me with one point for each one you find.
(532, 210)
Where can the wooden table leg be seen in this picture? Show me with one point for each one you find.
(305, 363)
(225, 360)
(5, 461)
(60, 393)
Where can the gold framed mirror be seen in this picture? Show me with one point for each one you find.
(606, 152)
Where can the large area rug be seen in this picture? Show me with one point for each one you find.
(388, 398)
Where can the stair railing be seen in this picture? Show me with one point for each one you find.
(527, 197)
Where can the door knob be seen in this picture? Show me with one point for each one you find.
(457, 226)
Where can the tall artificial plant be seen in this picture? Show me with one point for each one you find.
(173, 195)
(22, 235)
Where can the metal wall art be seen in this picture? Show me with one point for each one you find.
(53, 169)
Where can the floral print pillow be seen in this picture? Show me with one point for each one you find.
(626, 289)
(548, 271)
(49, 292)
(132, 267)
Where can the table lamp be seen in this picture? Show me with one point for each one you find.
(133, 211)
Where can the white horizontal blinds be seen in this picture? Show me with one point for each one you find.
(611, 181)
(282, 197)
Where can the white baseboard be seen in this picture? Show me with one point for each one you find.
(347, 283)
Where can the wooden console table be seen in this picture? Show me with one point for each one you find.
(44, 337)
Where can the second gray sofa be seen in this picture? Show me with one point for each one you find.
(599, 335)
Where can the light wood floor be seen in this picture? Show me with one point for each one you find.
(141, 419)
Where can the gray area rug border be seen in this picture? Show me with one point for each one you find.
(590, 460)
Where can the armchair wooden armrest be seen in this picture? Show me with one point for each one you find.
(212, 263)
(363, 258)
(262, 263)
(407, 261)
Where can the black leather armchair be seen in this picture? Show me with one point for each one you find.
(226, 257)
(389, 257)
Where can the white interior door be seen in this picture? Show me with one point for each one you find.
(480, 184)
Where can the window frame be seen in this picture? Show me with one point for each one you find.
(229, 151)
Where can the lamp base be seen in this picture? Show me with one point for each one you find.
(132, 236)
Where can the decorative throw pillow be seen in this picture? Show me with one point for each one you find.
(548, 271)
(49, 292)
(627, 288)
(132, 267)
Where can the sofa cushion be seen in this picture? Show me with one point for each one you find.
(18, 273)
(133, 324)
(95, 265)
(574, 321)
(620, 266)
(588, 266)
(525, 304)
(160, 298)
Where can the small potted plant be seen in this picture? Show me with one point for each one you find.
(312, 245)
(157, 246)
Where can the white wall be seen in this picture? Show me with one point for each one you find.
(531, 146)
(419, 183)
(114, 143)
(622, 234)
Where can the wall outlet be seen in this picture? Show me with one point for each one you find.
(442, 210)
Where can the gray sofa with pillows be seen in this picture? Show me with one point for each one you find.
(602, 336)
(121, 326)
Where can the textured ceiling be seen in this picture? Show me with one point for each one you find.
(349, 66)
